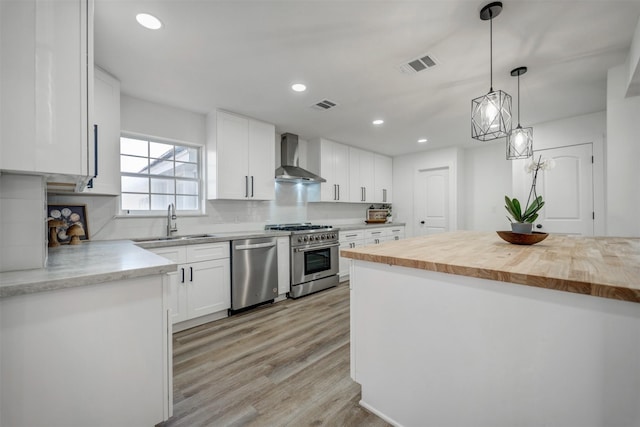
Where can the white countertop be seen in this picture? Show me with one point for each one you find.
(85, 264)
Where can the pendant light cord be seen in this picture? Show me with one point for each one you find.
(518, 99)
(491, 52)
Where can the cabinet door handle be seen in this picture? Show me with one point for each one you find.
(95, 156)
(338, 191)
(191, 274)
(95, 151)
(384, 195)
(365, 194)
(335, 191)
(182, 281)
(251, 185)
(246, 186)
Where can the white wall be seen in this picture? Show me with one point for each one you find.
(487, 180)
(623, 153)
(142, 117)
(149, 118)
(22, 222)
(404, 169)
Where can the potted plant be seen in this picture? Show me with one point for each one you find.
(523, 219)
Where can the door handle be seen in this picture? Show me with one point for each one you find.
(251, 185)
(182, 280)
(384, 195)
(191, 274)
(338, 192)
(335, 191)
(246, 186)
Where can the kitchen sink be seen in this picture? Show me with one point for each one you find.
(172, 238)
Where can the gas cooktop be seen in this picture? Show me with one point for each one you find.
(297, 227)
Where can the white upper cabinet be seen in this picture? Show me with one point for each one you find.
(361, 175)
(47, 87)
(241, 157)
(107, 130)
(331, 161)
(383, 178)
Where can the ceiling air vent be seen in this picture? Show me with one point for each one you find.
(423, 62)
(324, 105)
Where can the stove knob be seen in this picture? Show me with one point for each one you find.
(306, 238)
(334, 235)
(317, 237)
(324, 236)
(299, 239)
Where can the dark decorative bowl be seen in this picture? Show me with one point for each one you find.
(522, 239)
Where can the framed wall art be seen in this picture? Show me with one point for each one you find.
(61, 219)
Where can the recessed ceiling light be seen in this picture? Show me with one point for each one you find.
(148, 21)
(299, 87)
(378, 122)
(422, 140)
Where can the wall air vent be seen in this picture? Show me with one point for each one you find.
(324, 105)
(423, 62)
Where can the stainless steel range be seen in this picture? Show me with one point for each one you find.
(314, 257)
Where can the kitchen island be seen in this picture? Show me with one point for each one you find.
(464, 329)
(86, 340)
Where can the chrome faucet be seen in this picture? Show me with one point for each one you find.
(171, 216)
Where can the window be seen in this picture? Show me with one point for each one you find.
(155, 174)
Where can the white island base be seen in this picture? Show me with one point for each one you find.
(435, 349)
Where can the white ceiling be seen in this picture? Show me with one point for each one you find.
(243, 56)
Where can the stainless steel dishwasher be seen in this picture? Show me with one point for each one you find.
(254, 272)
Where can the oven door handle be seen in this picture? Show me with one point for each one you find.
(315, 248)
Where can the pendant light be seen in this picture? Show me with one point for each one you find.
(519, 140)
(491, 113)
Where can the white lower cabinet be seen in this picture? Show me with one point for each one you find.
(202, 283)
(368, 236)
(349, 240)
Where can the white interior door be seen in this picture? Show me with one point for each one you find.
(432, 201)
(567, 190)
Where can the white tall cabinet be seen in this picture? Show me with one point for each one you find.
(361, 175)
(331, 161)
(47, 88)
(241, 157)
(383, 179)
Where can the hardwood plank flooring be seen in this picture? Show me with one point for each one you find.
(284, 364)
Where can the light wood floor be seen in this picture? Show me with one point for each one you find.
(285, 364)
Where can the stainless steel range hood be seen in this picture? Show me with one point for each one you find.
(290, 171)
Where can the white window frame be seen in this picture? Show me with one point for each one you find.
(163, 212)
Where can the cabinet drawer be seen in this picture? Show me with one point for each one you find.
(395, 231)
(350, 236)
(207, 251)
(177, 254)
(375, 233)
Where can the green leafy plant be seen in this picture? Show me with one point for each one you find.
(530, 213)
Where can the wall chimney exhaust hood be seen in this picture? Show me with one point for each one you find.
(290, 171)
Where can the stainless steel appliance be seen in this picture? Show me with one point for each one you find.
(313, 257)
(254, 272)
(290, 169)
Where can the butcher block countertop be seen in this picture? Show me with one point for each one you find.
(607, 267)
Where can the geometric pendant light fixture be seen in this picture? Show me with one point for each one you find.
(519, 140)
(491, 113)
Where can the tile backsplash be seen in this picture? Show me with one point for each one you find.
(22, 222)
(291, 205)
